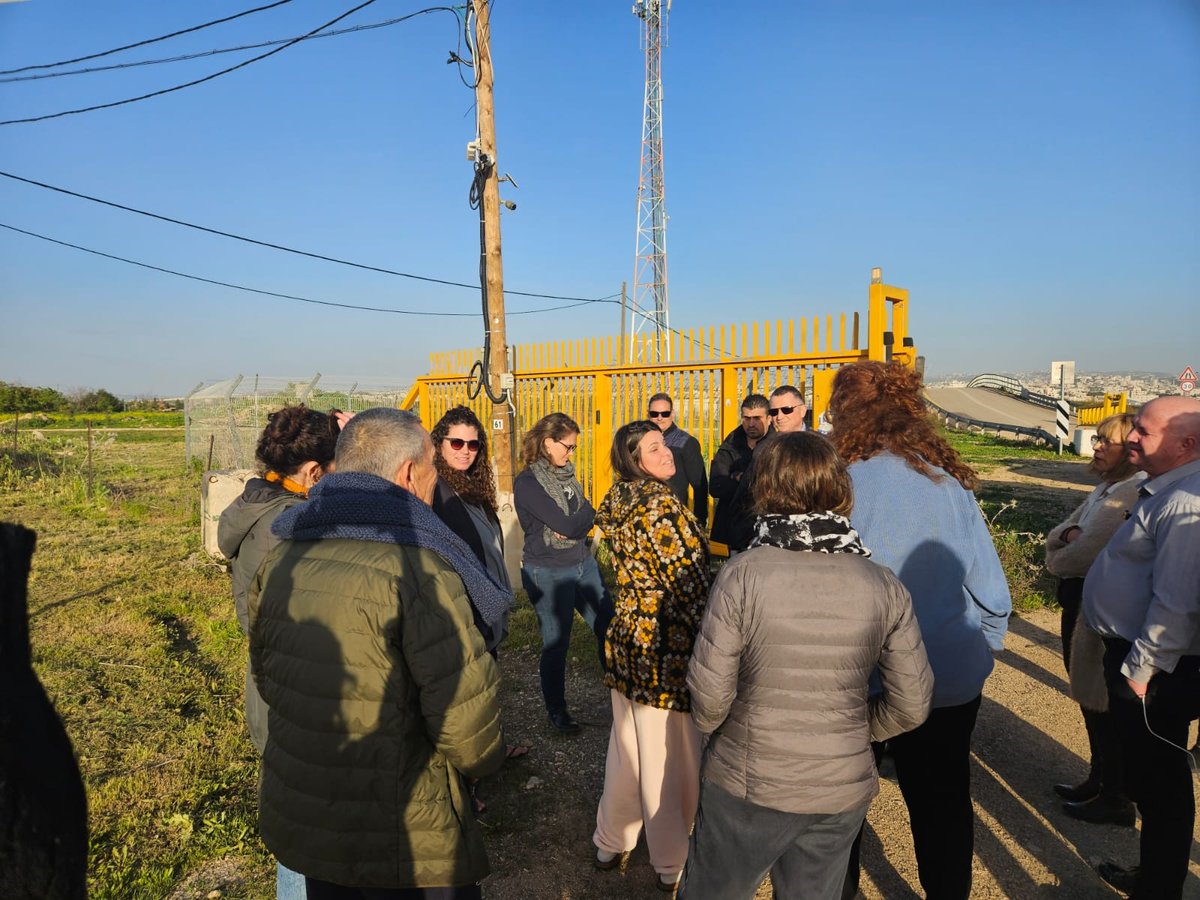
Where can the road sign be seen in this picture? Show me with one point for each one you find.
(1187, 380)
(1062, 421)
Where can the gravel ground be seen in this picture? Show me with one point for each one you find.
(1029, 736)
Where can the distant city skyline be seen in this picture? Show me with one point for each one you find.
(1038, 201)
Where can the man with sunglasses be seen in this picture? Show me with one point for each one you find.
(730, 463)
(787, 409)
(689, 464)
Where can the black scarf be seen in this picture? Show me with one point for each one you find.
(822, 532)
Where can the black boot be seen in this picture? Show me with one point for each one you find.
(1106, 809)
(1080, 793)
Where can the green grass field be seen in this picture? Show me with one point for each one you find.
(133, 419)
(135, 639)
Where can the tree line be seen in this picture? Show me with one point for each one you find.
(18, 398)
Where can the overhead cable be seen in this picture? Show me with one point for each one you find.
(282, 296)
(79, 59)
(196, 81)
(184, 57)
(248, 240)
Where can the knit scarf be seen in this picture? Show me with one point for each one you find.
(560, 483)
(362, 507)
(822, 532)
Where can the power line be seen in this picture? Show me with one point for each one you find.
(248, 240)
(194, 82)
(282, 296)
(183, 57)
(78, 59)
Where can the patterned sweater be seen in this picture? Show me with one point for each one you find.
(663, 575)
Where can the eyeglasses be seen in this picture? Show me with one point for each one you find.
(781, 410)
(659, 414)
(570, 448)
(1098, 442)
(459, 443)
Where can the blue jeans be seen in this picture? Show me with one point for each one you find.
(289, 885)
(556, 594)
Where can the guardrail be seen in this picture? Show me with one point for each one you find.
(948, 417)
(1015, 388)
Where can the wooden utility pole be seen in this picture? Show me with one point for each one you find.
(497, 362)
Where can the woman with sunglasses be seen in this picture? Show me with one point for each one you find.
(465, 495)
(1071, 548)
(558, 571)
(465, 499)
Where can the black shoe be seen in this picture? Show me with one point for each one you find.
(1102, 810)
(564, 723)
(1078, 793)
(1124, 880)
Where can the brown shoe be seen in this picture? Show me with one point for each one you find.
(606, 865)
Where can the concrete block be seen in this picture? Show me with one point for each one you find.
(218, 489)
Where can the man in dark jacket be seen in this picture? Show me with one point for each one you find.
(381, 693)
(729, 464)
(689, 463)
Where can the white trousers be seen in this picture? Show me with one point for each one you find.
(651, 781)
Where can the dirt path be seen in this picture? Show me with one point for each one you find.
(1029, 736)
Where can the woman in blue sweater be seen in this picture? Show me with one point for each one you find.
(915, 510)
(557, 568)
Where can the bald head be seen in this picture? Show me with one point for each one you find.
(1165, 435)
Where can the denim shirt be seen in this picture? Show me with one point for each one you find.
(1145, 584)
(930, 532)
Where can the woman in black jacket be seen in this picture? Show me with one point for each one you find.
(465, 496)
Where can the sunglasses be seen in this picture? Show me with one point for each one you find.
(459, 443)
(655, 414)
(782, 410)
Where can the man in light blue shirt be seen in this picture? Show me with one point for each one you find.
(1142, 595)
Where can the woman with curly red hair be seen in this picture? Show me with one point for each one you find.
(915, 510)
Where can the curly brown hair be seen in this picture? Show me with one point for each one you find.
(878, 406)
(295, 435)
(477, 485)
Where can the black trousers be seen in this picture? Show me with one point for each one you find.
(933, 766)
(1104, 743)
(1158, 776)
(324, 890)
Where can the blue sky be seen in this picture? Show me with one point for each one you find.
(1029, 171)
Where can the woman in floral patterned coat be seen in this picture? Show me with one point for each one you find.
(651, 776)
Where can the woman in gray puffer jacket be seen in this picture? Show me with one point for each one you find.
(779, 678)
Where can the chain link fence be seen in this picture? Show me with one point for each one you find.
(223, 420)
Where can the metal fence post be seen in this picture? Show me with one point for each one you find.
(233, 432)
(187, 424)
(303, 396)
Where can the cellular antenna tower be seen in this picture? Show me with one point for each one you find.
(649, 302)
